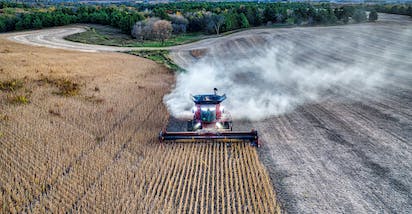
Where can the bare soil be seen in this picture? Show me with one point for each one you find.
(349, 152)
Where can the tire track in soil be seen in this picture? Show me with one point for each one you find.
(337, 132)
(113, 161)
(81, 157)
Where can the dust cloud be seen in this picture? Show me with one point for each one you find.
(281, 72)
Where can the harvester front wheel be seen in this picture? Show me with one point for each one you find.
(227, 125)
(189, 125)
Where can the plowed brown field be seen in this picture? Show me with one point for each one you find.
(347, 151)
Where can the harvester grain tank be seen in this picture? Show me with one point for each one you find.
(210, 122)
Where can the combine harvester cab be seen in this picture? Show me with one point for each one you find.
(210, 123)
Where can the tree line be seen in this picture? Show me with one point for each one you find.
(243, 15)
(401, 9)
(222, 17)
(119, 17)
(159, 21)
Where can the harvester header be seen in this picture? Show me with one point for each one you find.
(210, 122)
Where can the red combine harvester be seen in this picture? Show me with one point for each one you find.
(210, 122)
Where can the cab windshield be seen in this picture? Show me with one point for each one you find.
(208, 113)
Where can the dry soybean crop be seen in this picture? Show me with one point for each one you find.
(78, 133)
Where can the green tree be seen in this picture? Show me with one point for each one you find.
(19, 25)
(254, 16)
(213, 22)
(100, 17)
(281, 15)
(342, 15)
(124, 23)
(24, 22)
(37, 23)
(331, 17)
(2, 25)
(161, 13)
(10, 23)
(345, 19)
(322, 16)
(395, 10)
(231, 22)
(359, 15)
(348, 10)
(244, 23)
(373, 16)
(290, 20)
(196, 21)
(269, 14)
(409, 10)
(47, 19)
(115, 18)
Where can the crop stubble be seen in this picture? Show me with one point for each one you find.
(97, 151)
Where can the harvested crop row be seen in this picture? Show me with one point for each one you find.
(56, 148)
(181, 178)
(205, 178)
(97, 150)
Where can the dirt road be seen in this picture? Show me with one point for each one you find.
(54, 38)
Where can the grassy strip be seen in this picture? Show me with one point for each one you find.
(159, 56)
(104, 35)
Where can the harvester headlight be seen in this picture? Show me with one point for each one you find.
(194, 109)
(219, 125)
(197, 125)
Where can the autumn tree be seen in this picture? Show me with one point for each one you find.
(215, 21)
(143, 30)
(162, 30)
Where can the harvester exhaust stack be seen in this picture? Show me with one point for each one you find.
(210, 123)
